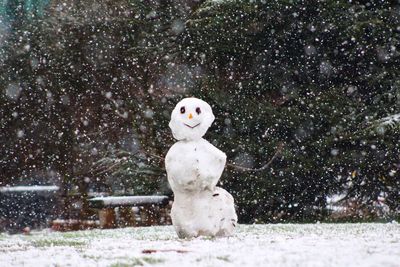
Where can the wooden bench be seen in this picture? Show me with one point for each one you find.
(131, 210)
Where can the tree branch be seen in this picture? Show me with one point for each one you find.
(229, 165)
(262, 168)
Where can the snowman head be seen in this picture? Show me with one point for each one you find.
(191, 119)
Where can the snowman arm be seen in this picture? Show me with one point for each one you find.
(215, 171)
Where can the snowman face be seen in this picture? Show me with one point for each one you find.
(191, 119)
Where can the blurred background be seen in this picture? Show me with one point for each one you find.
(87, 88)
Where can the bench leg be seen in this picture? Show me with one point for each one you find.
(150, 215)
(127, 217)
(165, 217)
(107, 218)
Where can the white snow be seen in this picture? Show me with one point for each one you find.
(131, 200)
(390, 120)
(31, 188)
(252, 245)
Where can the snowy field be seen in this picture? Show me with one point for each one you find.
(253, 245)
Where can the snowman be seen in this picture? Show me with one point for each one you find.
(194, 167)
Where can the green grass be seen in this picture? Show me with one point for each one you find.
(142, 233)
(138, 262)
(224, 258)
(212, 238)
(57, 242)
(95, 258)
(84, 234)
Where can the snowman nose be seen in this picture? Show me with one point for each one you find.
(190, 116)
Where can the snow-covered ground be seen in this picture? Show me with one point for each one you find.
(253, 245)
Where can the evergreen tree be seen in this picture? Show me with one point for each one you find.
(318, 76)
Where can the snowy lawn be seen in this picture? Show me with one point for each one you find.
(252, 245)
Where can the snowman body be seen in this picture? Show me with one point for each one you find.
(194, 167)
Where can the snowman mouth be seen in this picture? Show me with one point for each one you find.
(192, 127)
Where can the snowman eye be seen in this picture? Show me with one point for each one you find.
(183, 110)
(198, 110)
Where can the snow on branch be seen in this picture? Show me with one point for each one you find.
(388, 122)
(391, 120)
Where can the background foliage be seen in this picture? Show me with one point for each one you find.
(88, 87)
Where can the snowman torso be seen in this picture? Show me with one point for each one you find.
(194, 166)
